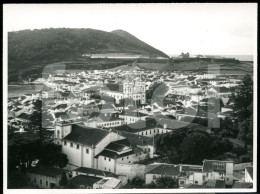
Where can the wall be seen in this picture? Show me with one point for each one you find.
(105, 164)
(73, 154)
(54, 180)
(131, 170)
(196, 176)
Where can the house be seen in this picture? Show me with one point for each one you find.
(117, 152)
(217, 169)
(83, 181)
(108, 183)
(132, 117)
(92, 172)
(106, 120)
(160, 170)
(44, 177)
(249, 174)
(148, 127)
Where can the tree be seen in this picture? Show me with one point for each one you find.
(239, 151)
(63, 180)
(166, 182)
(196, 147)
(244, 98)
(137, 182)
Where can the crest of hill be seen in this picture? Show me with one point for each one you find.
(72, 42)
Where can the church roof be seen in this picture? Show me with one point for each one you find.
(86, 135)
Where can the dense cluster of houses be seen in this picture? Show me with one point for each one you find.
(102, 120)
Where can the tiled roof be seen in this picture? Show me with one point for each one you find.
(95, 172)
(165, 169)
(114, 87)
(86, 135)
(113, 155)
(133, 114)
(84, 180)
(215, 184)
(46, 171)
(118, 146)
(24, 116)
(138, 126)
(242, 185)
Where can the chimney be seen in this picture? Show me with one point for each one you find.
(164, 125)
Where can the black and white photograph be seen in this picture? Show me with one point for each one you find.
(135, 97)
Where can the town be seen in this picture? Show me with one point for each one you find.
(132, 128)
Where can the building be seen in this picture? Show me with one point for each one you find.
(131, 88)
(106, 120)
(108, 183)
(44, 177)
(81, 144)
(83, 181)
(216, 169)
(157, 171)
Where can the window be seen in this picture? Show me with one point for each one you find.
(40, 181)
(150, 132)
(142, 133)
(65, 143)
(77, 173)
(105, 168)
(154, 130)
(105, 158)
(46, 183)
(87, 150)
(122, 159)
(146, 133)
(196, 182)
(129, 162)
(154, 177)
(109, 159)
(109, 169)
(127, 157)
(77, 146)
(149, 150)
(227, 179)
(181, 182)
(71, 144)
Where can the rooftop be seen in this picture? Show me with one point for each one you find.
(84, 180)
(95, 172)
(45, 171)
(165, 169)
(86, 135)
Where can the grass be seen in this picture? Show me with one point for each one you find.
(223, 68)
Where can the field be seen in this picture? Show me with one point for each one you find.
(202, 66)
(19, 90)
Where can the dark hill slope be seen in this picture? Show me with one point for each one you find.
(63, 43)
(136, 41)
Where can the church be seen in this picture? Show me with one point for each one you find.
(131, 88)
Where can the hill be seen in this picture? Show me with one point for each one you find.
(29, 49)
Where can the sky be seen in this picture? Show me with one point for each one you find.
(197, 28)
